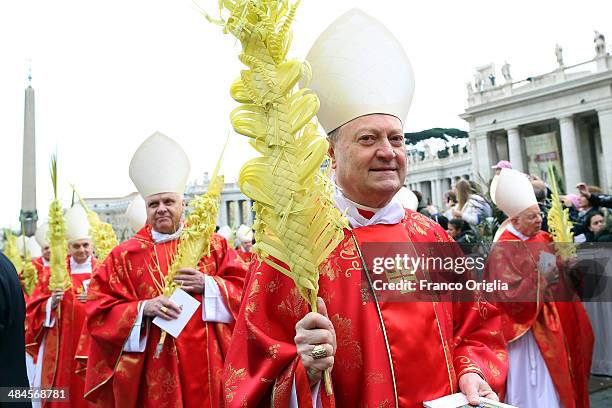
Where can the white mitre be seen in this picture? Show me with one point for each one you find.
(41, 234)
(33, 247)
(359, 68)
(77, 224)
(512, 192)
(30, 244)
(244, 234)
(159, 165)
(136, 214)
(407, 198)
(225, 231)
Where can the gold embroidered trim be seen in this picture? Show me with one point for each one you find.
(382, 323)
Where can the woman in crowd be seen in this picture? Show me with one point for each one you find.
(471, 207)
(460, 231)
(596, 229)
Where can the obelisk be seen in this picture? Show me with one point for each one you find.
(28, 215)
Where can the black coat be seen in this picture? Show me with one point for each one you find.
(12, 340)
(601, 200)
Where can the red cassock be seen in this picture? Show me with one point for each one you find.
(561, 329)
(431, 344)
(58, 368)
(244, 258)
(188, 370)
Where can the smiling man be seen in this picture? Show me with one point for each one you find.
(380, 353)
(126, 294)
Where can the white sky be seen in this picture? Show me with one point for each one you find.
(109, 73)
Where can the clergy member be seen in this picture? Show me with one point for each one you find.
(126, 295)
(244, 238)
(549, 343)
(136, 219)
(41, 263)
(379, 353)
(54, 320)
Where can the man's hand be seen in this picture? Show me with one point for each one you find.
(584, 190)
(82, 297)
(162, 306)
(312, 330)
(190, 280)
(56, 298)
(474, 387)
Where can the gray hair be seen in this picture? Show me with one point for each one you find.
(334, 135)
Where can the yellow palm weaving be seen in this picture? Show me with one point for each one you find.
(297, 225)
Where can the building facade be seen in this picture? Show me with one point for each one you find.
(433, 174)
(561, 118)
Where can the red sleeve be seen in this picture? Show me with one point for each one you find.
(479, 344)
(35, 313)
(112, 309)
(262, 360)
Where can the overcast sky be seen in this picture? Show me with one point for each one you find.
(109, 73)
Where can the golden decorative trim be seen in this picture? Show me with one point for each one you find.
(382, 323)
(433, 304)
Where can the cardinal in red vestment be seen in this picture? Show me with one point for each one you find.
(549, 336)
(123, 369)
(136, 219)
(381, 352)
(244, 237)
(54, 319)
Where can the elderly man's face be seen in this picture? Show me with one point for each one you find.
(369, 159)
(529, 221)
(80, 250)
(164, 212)
(46, 252)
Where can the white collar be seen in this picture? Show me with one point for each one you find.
(45, 262)
(160, 237)
(516, 232)
(392, 213)
(77, 269)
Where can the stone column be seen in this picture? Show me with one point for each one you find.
(251, 214)
(474, 149)
(605, 130)
(222, 216)
(514, 149)
(446, 184)
(439, 202)
(481, 156)
(28, 215)
(569, 147)
(434, 192)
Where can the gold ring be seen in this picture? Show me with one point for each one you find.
(163, 309)
(318, 352)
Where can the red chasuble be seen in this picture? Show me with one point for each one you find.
(561, 329)
(58, 368)
(188, 370)
(244, 258)
(430, 344)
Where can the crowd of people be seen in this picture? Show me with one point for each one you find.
(469, 215)
(237, 330)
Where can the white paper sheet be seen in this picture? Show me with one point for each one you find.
(86, 285)
(176, 326)
(460, 400)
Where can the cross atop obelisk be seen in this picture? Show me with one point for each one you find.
(28, 215)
